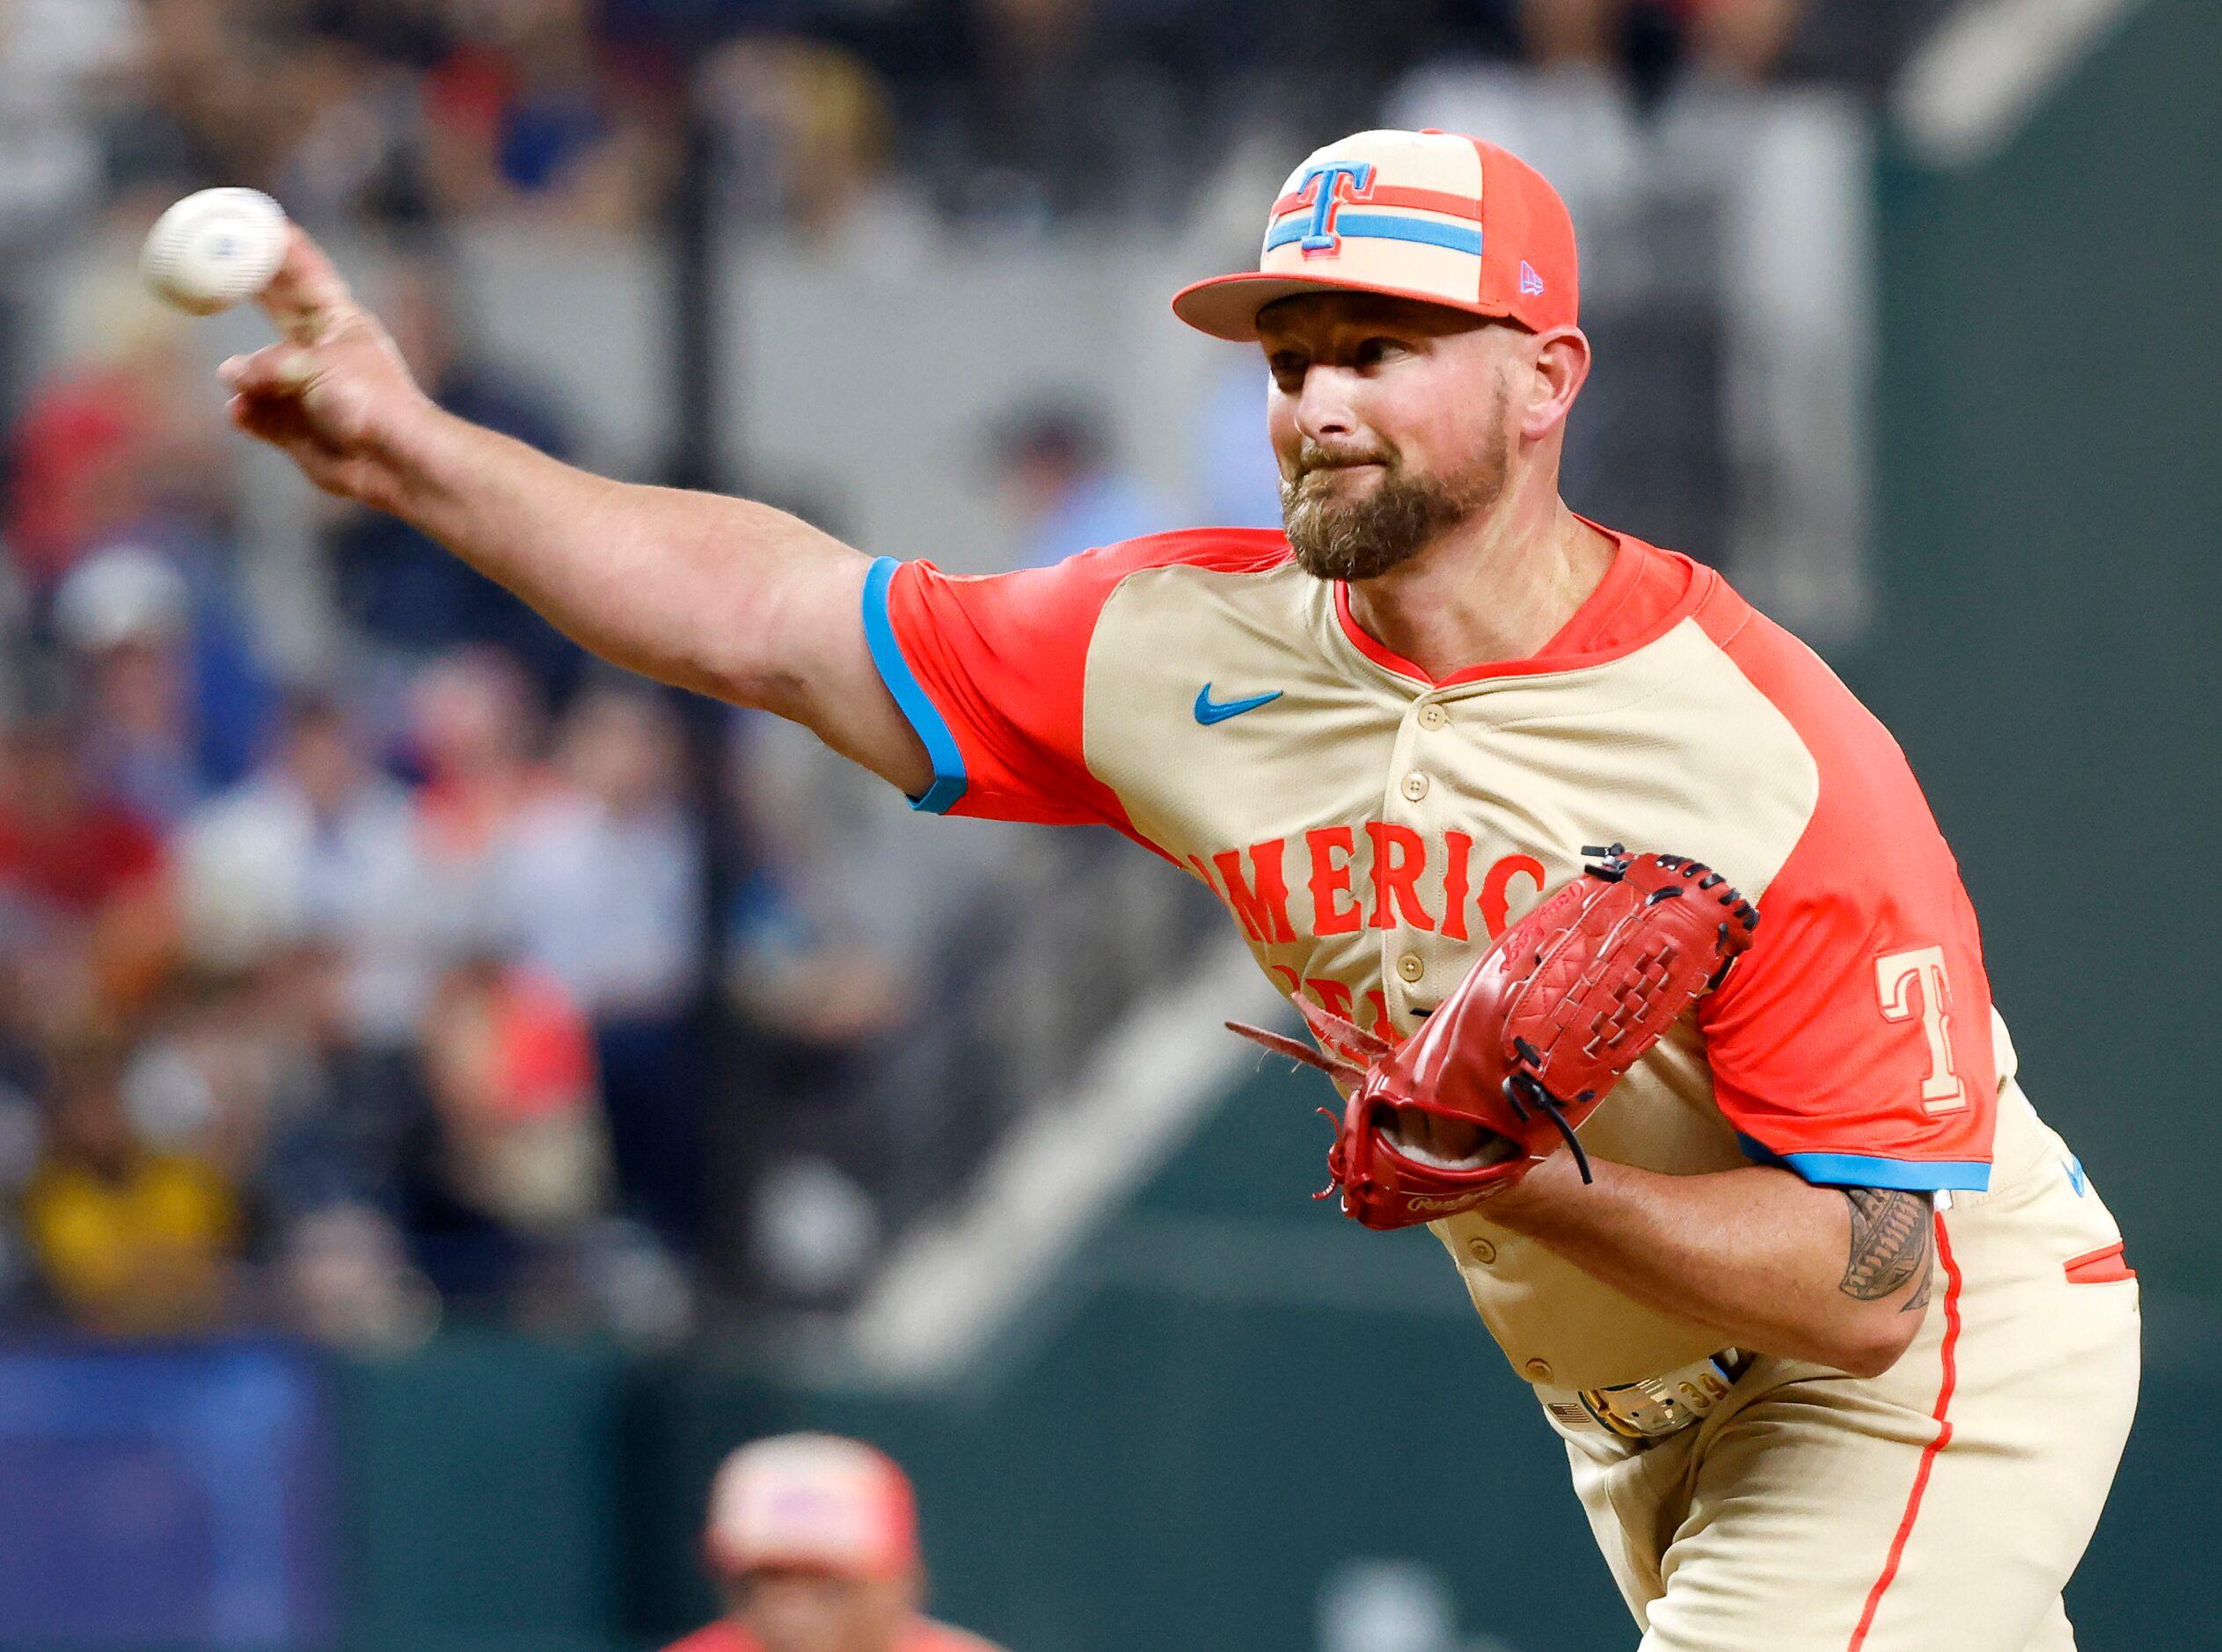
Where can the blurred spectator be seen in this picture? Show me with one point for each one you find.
(813, 1541)
(202, 1080)
(345, 1281)
(410, 34)
(603, 882)
(602, 890)
(22, 1079)
(843, 894)
(1064, 489)
(1649, 38)
(115, 442)
(809, 136)
(531, 111)
(318, 847)
(404, 588)
(356, 147)
(56, 57)
(128, 1239)
(522, 1145)
(85, 906)
(1043, 133)
(127, 613)
(831, 955)
(474, 731)
(202, 109)
(350, 1146)
(351, 1121)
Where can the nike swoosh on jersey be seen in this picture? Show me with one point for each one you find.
(1209, 711)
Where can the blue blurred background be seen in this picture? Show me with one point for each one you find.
(450, 1095)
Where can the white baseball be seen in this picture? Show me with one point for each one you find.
(214, 248)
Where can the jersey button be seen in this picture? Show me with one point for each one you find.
(1416, 786)
(1481, 1251)
(1410, 967)
(1433, 716)
(1538, 1371)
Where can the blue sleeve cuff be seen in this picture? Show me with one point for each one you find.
(924, 716)
(1858, 1170)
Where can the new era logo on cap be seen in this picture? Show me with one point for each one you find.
(811, 1500)
(1431, 216)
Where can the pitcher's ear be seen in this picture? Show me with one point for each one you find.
(1561, 358)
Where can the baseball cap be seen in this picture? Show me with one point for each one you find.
(124, 593)
(1432, 215)
(812, 1500)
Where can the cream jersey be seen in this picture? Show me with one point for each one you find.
(1371, 830)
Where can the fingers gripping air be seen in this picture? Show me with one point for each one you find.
(1530, 1042)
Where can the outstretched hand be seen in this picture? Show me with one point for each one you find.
(332, 394)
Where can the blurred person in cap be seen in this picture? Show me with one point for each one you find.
(601, 888)
(87, 908)
(177, 699)
(814, 1541)
(317, 844)
(476, 727)
(126, 613)
(1065, 489)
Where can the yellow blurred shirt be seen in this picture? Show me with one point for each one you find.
(144, 1252)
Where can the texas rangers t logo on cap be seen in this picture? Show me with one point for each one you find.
(1323, 191)
(1431, 216)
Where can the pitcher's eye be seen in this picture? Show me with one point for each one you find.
(1287, 368)
(1375, 352)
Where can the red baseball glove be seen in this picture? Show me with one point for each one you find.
(1532, 1039)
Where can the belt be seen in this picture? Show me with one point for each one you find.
(1653, 1406)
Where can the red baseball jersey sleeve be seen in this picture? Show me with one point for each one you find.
(1854, 1041)
(991, 670)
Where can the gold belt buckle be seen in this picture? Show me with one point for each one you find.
(1655, 1406)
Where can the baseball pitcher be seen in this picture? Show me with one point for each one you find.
(1648, 979)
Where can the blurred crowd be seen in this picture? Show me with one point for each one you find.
(443, 972)
(825, 111)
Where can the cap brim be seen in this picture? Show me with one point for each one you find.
(730, 1560)
(1227, 306)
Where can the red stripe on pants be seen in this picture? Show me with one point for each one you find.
(1929, 1452)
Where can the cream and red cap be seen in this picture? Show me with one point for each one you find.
(1431, 215)
(814, 1501)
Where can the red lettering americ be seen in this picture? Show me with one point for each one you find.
(1400, 855)
(1454, 885)
(1262, 906)
(1333, 912)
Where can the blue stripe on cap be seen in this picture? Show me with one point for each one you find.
(921, 712)
(1382, 226)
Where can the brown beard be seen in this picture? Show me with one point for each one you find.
(1364, 538)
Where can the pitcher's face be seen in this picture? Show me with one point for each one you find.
(1392, 422)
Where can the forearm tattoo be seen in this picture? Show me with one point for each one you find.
(1889, 1244)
